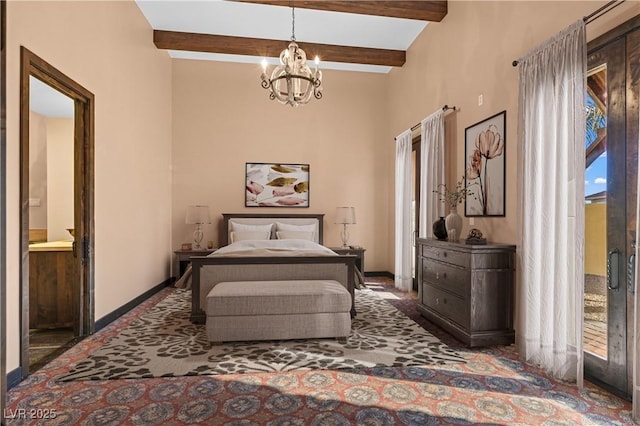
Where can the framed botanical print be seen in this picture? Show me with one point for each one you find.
(276, 185)
(485, 166)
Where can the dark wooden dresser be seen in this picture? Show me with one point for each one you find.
(468, 290)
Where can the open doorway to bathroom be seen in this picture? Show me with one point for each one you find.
(56, 191)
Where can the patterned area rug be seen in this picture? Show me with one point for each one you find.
(162, 342)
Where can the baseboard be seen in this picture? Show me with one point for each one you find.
(109, 318)
(598, 382)
(385, 274)
(14, 377)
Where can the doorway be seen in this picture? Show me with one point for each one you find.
(56, 223)
(610, 195)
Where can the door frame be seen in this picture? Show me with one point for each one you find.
(630, 107)
(612, 371)
(3, 205)
(83, 246)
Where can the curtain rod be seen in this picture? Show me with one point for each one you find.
(444, 108)
(593, 16)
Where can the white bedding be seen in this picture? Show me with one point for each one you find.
(290, 247)
(261, 248)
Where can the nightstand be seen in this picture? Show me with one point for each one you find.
(184, 257)
(359, 252)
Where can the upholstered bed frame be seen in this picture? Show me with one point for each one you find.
(209, 271)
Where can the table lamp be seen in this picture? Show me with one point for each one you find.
(345, 216)
(197, 215)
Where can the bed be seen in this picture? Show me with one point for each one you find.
(208, 271)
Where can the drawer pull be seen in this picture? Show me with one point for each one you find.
(444, 301)
(437, 275)
(444, 254)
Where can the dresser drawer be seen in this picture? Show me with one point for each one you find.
(446, 304)
(446, 255)
(446, 277)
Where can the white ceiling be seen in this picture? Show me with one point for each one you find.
(230, 18)
(47, 101)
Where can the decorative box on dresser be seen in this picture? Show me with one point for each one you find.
(468, 290)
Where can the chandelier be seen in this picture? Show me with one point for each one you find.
(292, 82)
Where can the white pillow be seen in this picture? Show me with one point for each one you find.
(250, 235)
(295, 235)
(253, 228)
(291, 227)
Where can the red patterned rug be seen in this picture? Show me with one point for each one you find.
(492, 387)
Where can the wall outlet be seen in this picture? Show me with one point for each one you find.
(480, 100)
(472, 221)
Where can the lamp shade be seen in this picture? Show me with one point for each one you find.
(197, 214)
(345, 215)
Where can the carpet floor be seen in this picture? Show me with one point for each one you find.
(492, 387)
(163, 342)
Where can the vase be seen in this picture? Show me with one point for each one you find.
(453, 223)
(440, 229)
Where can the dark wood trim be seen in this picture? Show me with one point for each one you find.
(32, 65)
(4, 379)
(114, 315)
(224, 230)
(195, 42)
(613, 35)
(13, 378)
(425, 10)
(385, 274)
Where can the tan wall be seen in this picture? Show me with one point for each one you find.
(223, 119)
(469, 54)
(595, 239)
(38, 169)
(108, 48)
(60, 178)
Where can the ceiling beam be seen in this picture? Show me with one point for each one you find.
(195, 42)
(423, 10)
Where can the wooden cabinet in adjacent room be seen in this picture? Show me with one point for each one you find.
(51, 286)
(468, 290)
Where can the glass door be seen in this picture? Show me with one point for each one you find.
(605, 304)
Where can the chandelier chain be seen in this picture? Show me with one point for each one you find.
(292, 82)
(293, 23)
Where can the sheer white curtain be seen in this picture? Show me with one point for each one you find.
(431, 171)
(551, 186)
(404, 280)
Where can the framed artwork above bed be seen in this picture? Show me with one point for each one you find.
(276, 185)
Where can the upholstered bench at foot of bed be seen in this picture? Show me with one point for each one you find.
(277, 310)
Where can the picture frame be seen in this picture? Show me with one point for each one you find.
(485, 166)
(276, 185)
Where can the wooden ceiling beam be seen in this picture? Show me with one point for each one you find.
(195, 42)
(423, 10)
